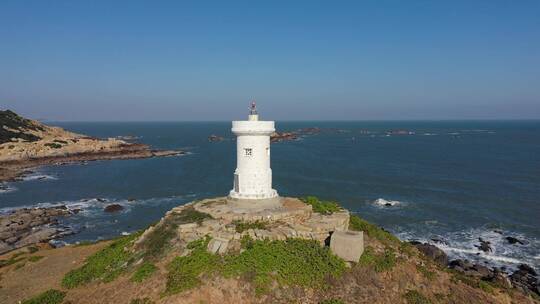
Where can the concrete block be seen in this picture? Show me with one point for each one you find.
(348, 245)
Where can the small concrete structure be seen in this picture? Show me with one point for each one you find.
(253, 176)
(348, 245)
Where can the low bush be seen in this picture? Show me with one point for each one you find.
(332, 301)
(373, 231)
(53, 145)
(51, 296)
(141, 301)
(380, 262)
(324, 207)
(184, 271)
(415, 297)
(430, 275)
(144, 271)
(35, 258)
(157, 241)
(105, 265)
(293, 262)
(242, 226)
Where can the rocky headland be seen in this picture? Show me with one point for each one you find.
(26, 143)
(282, 251)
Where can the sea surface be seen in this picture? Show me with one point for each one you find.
(449, 183)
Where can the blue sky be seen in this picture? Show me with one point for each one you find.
(301, 60)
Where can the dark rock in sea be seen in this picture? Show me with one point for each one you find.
(388, 205)
(113, 208)
(513, 240)
(498, 231)
(485, 246)
(433, 252)
(525, 279)
(131, 199)
(101, 200)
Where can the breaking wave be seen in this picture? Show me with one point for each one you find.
(463, 245)
(381, 202)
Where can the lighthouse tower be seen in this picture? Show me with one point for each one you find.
(253, 176)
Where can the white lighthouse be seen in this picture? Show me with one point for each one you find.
(253, 176)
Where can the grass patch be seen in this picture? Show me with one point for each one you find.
(35, 258)
(20, 265)
(242, 226)
(184, 271)
(157, 241)
(105, 265)
(324, 207)
(415, 297)
(373, 231)
(12, 260)
(144, 271)
(291, 262)
(430, 275)
(51, 296)
(32, 249)
(141, 301)
(332, 301)
(485, 286)
(54, 145)
(379, 262)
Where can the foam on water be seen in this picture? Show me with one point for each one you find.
(381, 202)
(6, 188)
(38, 176)
(462, 245)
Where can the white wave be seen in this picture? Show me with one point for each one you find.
(38, 176)
(462, 245)
(381, 202)
(6, 189)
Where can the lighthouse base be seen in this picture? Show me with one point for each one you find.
(253, 196)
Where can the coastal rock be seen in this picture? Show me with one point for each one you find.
(484, 245)
(513, 240)
(525, 278)
(26, 226)
(470, 269)
(113, 208)
(433, 252)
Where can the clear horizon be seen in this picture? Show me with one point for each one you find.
(165, 61)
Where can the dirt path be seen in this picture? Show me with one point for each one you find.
(17, 284)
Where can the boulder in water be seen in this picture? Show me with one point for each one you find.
(513, 240)
(485, 246)
(113, 208)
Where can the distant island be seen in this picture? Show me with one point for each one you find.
(26, 143)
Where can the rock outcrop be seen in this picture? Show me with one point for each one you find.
(27, 226)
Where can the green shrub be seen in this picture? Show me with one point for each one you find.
(51, 296)
(157, 241)
(324, 207)
(415, 297)
(358, 224)
(184, 271)
(35, 258)
(32, 249)
(53, 145)
(430, 275)
(291, 262)
(141, 301)
(242, 226)
(144, 271)
(485, 286)
(380, 262)
(12, 260)
(105, 265)
(332, 301)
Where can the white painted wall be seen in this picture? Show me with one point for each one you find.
(253, 176)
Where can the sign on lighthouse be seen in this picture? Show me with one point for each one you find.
(253, 176)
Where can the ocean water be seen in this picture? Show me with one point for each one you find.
(453, 181)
